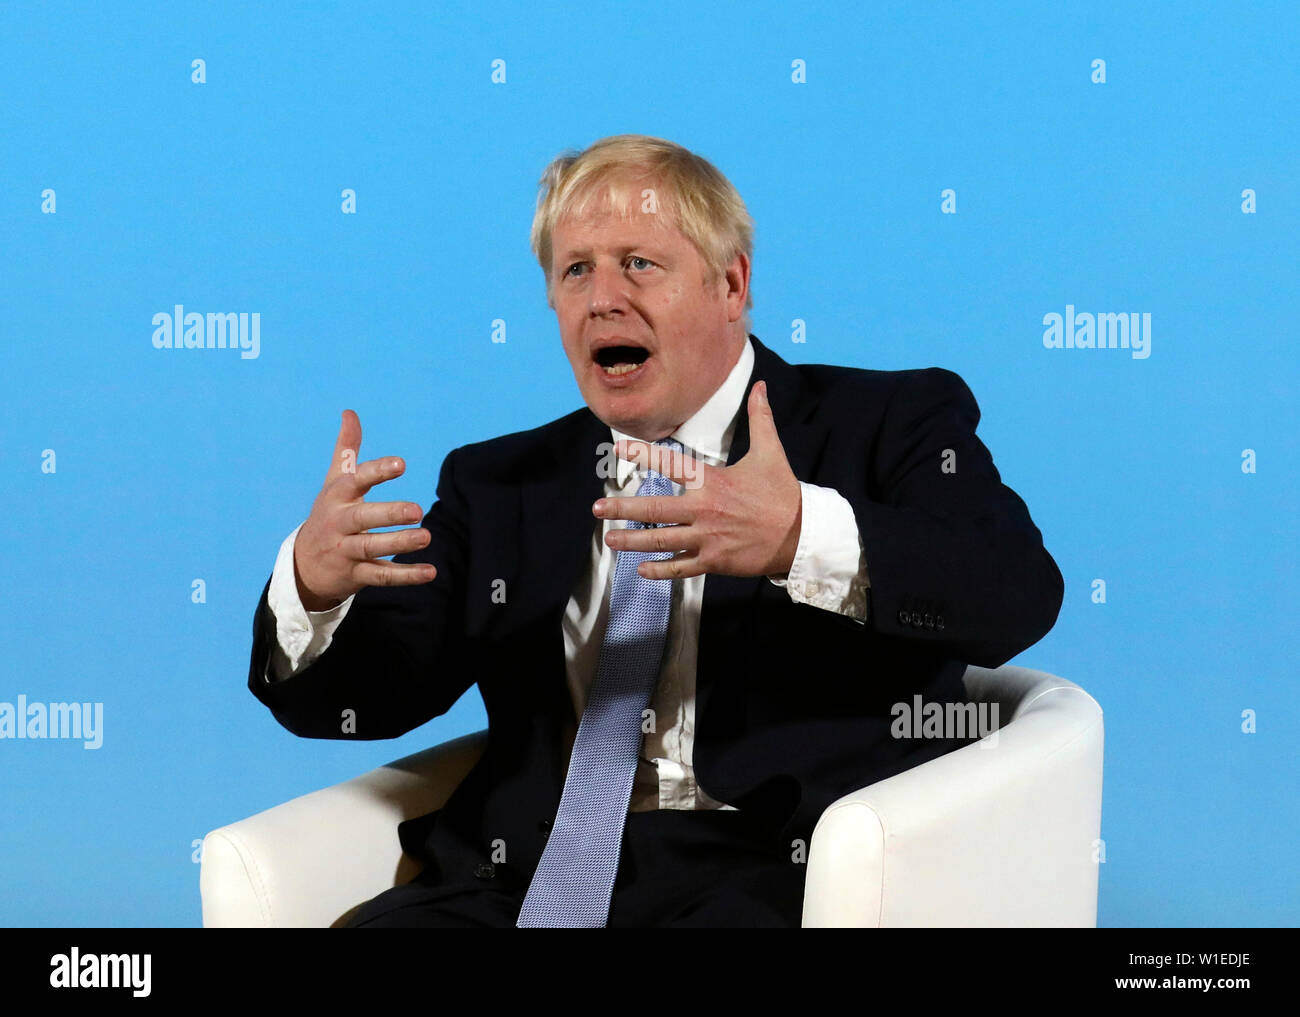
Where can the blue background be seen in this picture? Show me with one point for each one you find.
(225, 196)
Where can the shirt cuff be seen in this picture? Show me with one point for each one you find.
(829, 569)
(300, 635)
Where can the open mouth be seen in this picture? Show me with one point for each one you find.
(620, 360)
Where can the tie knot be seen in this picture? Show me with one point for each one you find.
(654, 482)
(668, 443)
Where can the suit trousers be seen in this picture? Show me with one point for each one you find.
(677, 869)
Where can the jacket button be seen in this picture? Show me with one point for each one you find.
(938, 622)
(929, 621)
(544, 826)
(485, 870)
(904, 618)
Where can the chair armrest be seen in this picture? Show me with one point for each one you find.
(310, 861)
(1002, 832)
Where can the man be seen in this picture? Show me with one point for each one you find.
(687, 649)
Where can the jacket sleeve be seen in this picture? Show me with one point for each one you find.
(396, 659)
(954, 558)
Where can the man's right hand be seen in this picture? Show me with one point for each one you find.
(333, 555)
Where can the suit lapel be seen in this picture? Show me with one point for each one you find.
(728, 599)
(555, 509)
(792, 406)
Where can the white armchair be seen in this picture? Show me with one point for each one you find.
(1003, 832)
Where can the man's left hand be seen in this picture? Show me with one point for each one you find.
(739, 520)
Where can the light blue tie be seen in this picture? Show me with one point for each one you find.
(575, 877)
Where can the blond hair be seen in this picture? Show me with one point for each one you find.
(691, 191)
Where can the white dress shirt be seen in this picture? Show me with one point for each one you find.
(829, 572)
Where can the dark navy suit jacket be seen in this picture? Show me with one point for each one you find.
(793, 702)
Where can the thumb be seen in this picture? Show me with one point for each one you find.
(347, 447)
(762, 425)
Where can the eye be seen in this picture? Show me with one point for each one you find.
(569, 271)
(637, 257)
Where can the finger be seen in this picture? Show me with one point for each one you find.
(387, 573)
(373, 472)
(681, 566)
(660, 538)
(762, 425)
(667, 462)
(347, 447)
(646, 508)
(369, 515)
(368, 546)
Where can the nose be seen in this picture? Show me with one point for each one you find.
(607, 291)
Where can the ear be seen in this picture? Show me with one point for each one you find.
(737, 276)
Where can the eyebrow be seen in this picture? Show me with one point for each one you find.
(584, 252)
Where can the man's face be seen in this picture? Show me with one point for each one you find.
(648, 341)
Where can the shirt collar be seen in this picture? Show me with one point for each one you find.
(707, 434)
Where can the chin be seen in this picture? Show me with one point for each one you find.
(642, 428)
(623, 414)
(624, 423)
